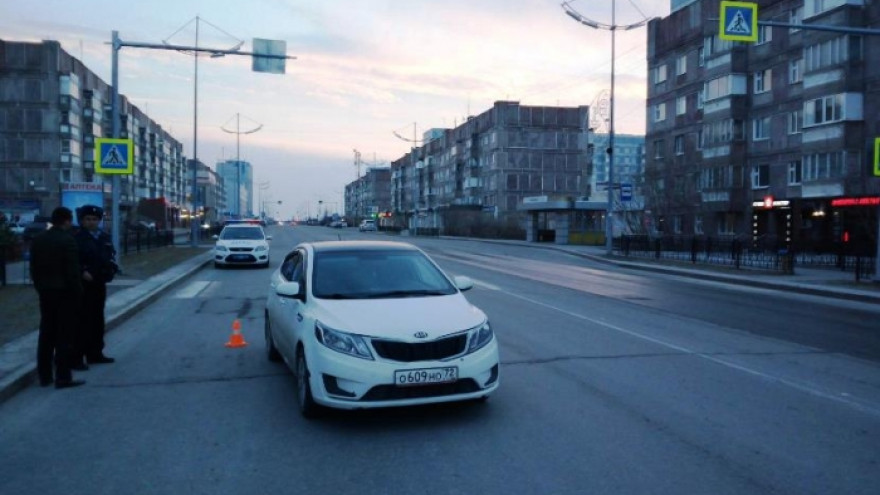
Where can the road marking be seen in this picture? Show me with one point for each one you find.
(836, 397)
(192, 290)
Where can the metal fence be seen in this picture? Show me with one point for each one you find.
(144, 240)
(734, 253)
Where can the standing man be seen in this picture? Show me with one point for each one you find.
(98, 260)
(55, 271)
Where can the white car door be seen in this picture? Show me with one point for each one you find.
(287, 311)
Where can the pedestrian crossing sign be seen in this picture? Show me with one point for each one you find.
(114, 156)
(739, 21)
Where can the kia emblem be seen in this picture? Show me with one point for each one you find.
(421, 335)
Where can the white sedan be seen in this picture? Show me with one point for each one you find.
(242, 244)
(367, 324)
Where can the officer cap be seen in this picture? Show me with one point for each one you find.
(95, 211)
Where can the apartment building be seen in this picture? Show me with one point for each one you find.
(491, 162)
(52, 108)
(772, 141)
(369, 194)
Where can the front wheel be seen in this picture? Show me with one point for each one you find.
(307, 405)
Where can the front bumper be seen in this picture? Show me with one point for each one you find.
(346, 382)
(241, 258)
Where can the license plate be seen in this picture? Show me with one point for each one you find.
(239, 257)
(425, 376)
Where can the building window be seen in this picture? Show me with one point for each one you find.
(765, 34)
(795, 120)
(796, 71)
(794, 172)
(701, 98)
(820, 166)
(676, 224)
(762, 81)
(833, 52)
(722, 131)
(681, 65)
(698, 225)
(660, 112)
(699, 140)
(658, 149)
(720, 87)
(681, 105)
(760, 176)
(761, 128)
(824, 110)
(659, 74)
(679, 144)
(796, 16)
(512, 182)
(701, 56)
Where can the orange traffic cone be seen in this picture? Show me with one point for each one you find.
(236, 340)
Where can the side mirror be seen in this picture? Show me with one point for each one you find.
(463, 283)
(289, 289)
(215, 237)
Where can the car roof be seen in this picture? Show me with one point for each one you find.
(341, 246)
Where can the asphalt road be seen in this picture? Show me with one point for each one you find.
(612, 382)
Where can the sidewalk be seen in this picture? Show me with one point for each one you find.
(18, 362)
(126, 297)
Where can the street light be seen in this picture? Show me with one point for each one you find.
(613, 27)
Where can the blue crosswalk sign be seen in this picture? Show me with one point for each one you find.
(114, 156)
(739, 21)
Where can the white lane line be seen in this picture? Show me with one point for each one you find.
(798, 386)
(192, 289)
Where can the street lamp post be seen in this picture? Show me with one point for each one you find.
(613, 27)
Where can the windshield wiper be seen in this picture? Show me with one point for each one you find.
(409, 293)
(337, 295)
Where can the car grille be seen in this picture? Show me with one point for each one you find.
(241, 249)
(408, 352)
(393, 392)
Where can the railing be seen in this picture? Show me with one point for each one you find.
(734, 253)
(137, 240)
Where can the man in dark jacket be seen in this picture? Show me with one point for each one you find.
(98, 260)
(55, 271)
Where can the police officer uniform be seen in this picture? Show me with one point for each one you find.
(97, 258)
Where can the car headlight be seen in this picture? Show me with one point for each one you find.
(261, 248)
(480, 336)
(346, 343)
(221, 248)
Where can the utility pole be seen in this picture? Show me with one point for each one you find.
(238, 132)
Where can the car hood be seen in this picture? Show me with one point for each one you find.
(400, 318)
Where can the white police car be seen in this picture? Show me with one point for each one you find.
(242, 244)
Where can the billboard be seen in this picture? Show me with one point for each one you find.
(76, 194)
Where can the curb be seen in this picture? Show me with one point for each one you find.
(22, 376)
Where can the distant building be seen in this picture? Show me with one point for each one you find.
(238, 179)
(211, 194)
(491, 163)
(52, 108)
(368, 195)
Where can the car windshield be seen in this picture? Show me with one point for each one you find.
(248, 233)
(377, 274)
